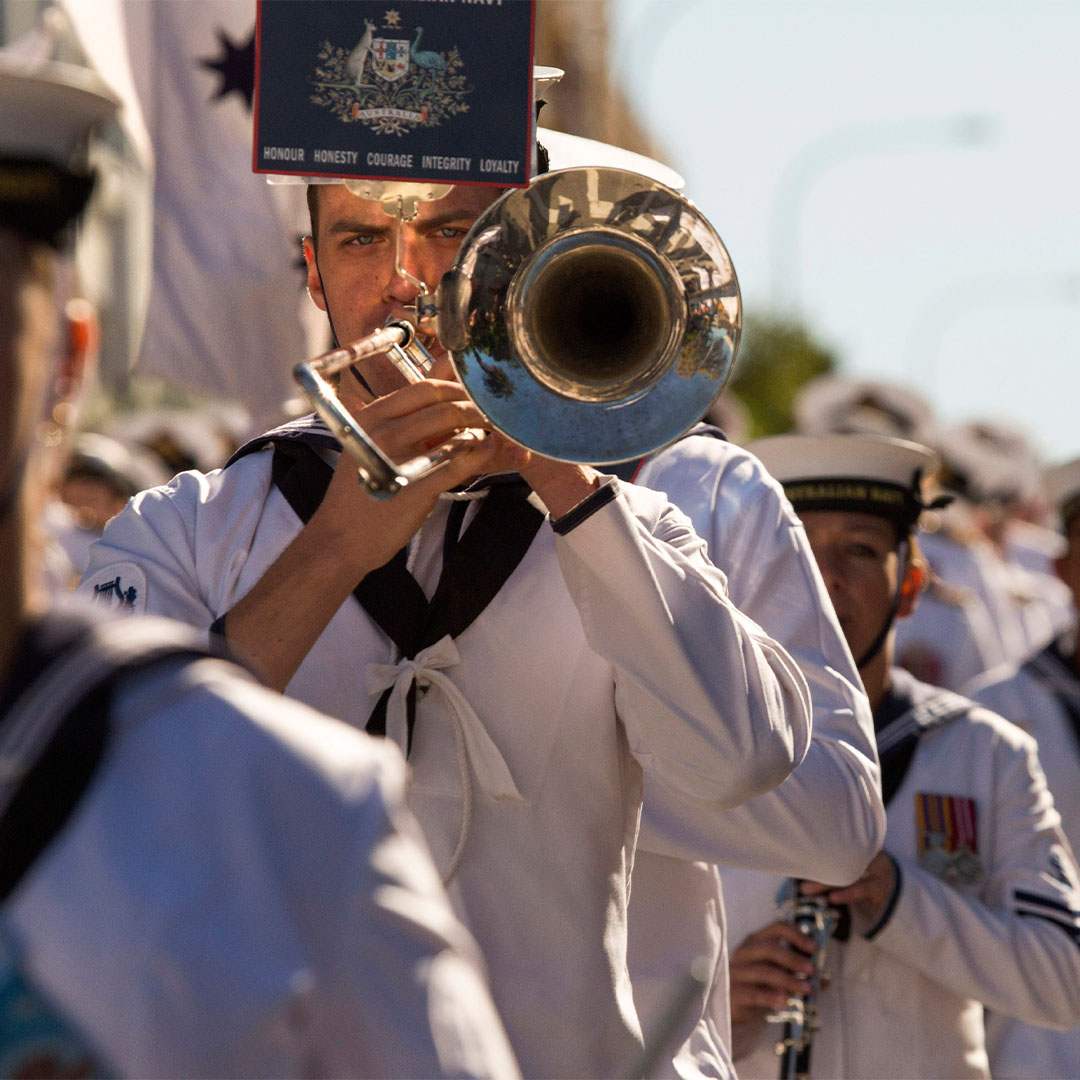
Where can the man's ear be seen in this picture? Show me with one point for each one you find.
(910, 588)
(314, 282)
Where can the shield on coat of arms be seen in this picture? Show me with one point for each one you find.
(390, 58)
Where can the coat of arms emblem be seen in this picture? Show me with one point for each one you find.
(390, 58)
(389, 83)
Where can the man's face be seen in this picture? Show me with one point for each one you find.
(28, 332)
(857, 557)
(355, 245)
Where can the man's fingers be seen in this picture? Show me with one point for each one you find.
(779, 932)
(852, 894)
(756, 998)
(773, 953)
(408, 399)
(767, 975)
(475, 457)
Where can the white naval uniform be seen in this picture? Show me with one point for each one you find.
(1032, 697)
(948, 639)
(827, 818)
(240, 892)
(618, 652)
(907, 1002)
(1021, 619)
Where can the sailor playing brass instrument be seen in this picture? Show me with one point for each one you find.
(593, 336)
(539, 647)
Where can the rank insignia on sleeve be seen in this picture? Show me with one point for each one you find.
(946, 828)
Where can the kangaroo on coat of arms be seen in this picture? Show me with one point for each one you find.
(388, 82)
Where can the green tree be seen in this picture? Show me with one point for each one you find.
(776, 357)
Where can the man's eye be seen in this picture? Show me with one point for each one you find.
(450, 232)
(362, 240)
(863, 551)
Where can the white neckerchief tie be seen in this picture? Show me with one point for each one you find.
(474, 745)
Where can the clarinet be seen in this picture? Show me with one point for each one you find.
(814, 916)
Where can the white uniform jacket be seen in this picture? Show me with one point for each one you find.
(611, 654)
(241, 892)
(1043, 697)
(827, 818)
(1020, 617)
(984, 912)
(948, 639)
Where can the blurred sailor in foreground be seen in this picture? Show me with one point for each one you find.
(199, 878)
(1042, 696)
(974, 897)
(543, 645)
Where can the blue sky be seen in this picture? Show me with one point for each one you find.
(905, 176)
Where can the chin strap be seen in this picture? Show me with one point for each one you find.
(879, 642)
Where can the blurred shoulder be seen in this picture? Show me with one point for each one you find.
(220, 722)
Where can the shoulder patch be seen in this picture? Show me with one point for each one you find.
(121, 586)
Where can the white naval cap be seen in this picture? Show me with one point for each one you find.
(126, 469)
(838, 403)
(874, 474)
(1063, 488)
(567, 151)
(987, 461)
(181, 438)
(48, 112)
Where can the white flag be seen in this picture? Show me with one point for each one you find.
(227, 313)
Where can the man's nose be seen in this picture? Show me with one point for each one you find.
(829, 565)
(403, 286)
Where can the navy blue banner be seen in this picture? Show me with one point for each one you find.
(434, 90)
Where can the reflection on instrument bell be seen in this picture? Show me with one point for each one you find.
(593, 317)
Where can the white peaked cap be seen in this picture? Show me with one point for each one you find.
(1063, 487)
(866, 457)
(837, 403)
(869, 473)
(48, 110)
(47, 114)
(576, 152)
(989, 461)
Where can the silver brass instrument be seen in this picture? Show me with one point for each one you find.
(592, 317)
(816, 918)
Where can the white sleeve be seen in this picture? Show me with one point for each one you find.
(826, 820)
(947, 641)
(178, 550)
(715, 711)
(1016, 945)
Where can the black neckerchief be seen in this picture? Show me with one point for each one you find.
(908, 711)
(894, 764)
(475, 567)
